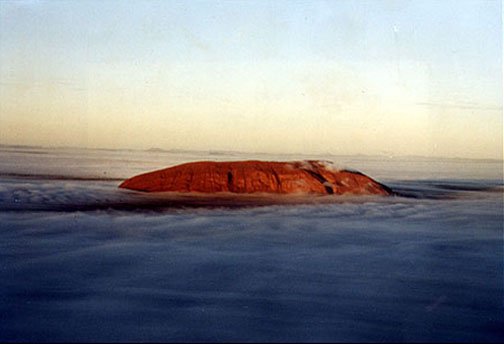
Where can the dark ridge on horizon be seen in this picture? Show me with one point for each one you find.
(21, 146)
(55, 177)
(35, 152)
(442, 189)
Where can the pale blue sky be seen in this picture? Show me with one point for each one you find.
(345, 77)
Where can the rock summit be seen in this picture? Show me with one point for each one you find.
(247, 177)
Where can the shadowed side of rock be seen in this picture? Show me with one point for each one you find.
(246, 177)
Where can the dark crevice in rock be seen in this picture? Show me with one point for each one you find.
(230, 181)
(277, 179)
(321, 179)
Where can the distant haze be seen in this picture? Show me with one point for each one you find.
(341, 77)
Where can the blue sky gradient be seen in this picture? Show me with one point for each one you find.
(342, 77)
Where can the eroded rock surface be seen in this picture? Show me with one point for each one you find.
(247, 177)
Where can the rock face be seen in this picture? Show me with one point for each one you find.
(245, 177)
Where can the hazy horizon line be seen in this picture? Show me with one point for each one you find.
(225, 151)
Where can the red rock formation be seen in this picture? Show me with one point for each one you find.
(256, 176)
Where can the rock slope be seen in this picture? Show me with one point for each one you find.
(246, 177)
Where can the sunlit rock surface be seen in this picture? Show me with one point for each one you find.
(246, 177)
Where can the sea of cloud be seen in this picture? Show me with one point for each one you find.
(81, 260)
(403, 269)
